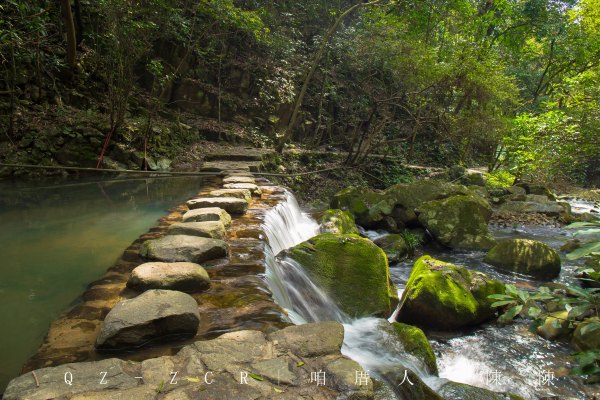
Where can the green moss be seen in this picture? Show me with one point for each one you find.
(457, 222)
(394, 246)
(446, 296)
(367, 206)
(525, 256)
(338, 221)
(353, 270)
(415, 342)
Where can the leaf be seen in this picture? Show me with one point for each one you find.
(587, 232)
(191, 379)
(512, 313)
(256, 377)
(584, 250)
(577, 291)
(576, 225)
(499, 297)
(590, 328)
(534, 312)
(502, 303)
(299, 364)
(278, 390)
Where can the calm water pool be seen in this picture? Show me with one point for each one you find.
(56, 237)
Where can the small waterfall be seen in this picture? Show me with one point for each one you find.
(364, 340)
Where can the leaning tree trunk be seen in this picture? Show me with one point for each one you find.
(287, 133)
(70, 27)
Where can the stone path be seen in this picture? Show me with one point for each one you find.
(299, 362)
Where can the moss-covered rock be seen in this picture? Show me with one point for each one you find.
(338, 221)
(367, 206)
(586, 339)
(415, 342)
(353, 270)
(525, 256)
(394, 246)
(462, 391)
(457, 222)
(446, 296)
(412, 195)
(555, 325)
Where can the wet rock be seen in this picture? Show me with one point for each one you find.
(537, 198)
(239, 179)
(86, 379)
(585, 337)
(338, 221)
(254, 189)
(208, 214)
(457, 222)
(232, 205)
(367, 206)
(238, 193)
(352, 270)
(445, 296)
(207, 229)
(555, 326)
(462, 391)
(152, 315)
(531, 188)
(528, 257)
(394, 246)
(187, 277)
(311, 340)
(412, 195)
(516, 193)
(238, 365)
(415, 342)
(548, 208)
(183, 248)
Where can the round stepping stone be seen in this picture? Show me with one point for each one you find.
(238, 193)
(208, 214)
(239, 179)
(207, 229)
(230, 204)
(183, 248)
(254, 189)
(152, 315)
(184, 276)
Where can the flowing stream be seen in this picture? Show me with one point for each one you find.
(497, 358)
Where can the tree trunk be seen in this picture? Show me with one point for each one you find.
(287, 133)
(70, 27)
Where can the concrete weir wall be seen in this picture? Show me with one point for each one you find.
(185, 311)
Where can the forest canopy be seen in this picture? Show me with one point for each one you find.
(511, 84)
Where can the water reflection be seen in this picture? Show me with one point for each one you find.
(56, 237)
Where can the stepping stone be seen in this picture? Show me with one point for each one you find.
(239, 179)
(230, 204)
(238, 193)
(183, 248)
(249, 186)
(150, 316)
(207, 229)
(208, 214)
(184, 276)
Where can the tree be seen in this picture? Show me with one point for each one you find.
(70, 28)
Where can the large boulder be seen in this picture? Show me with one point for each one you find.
(555, 325)
(585, 338)
(525, 256)
(207, 229)
(549, 208)
(183, 248)
(415, 342)
(440, 295)
(541, 190)
(208, 214)
(184, 276)
(457, 222)
(412, 195)
(367, 206)
(152, 315)
(352, 270)
(338, 221)
(394, 246)
(232, 205)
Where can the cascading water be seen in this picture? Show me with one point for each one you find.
(365, 340)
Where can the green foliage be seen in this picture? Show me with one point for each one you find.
(499, 179)
(412, 241)
(520, 302)
(588, 364)
(589, 249)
